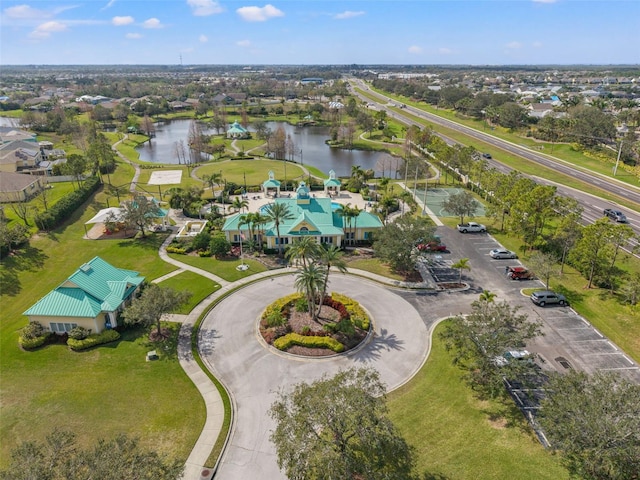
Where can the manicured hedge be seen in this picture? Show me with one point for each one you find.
(33, 343)
(358, 316)
(93, 340)
(291, 339)
(68, 204)
(279, 305)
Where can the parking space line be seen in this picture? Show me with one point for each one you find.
(629, 360)
(602, 353)
(619, 368)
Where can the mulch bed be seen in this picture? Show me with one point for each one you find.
(299, 320)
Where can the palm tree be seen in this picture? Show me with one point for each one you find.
(462, 264)
(331, 257)
(211, 180)
(278, 213)
(309, 281)
(355, 213)
(345, 211)
(303, 249)
(249, 220)
(487, 296)
(386, 203)
(239, 204)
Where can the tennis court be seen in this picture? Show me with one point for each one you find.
(435, 198)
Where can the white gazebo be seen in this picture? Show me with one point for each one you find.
(332, 185)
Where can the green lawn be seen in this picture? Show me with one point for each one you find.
(97, 393)
(225, 269)
(457, 436)
(255, 171)
(199, 287)
(373, 265)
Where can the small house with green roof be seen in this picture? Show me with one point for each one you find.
(92, 297)
(237, 131)
(332, 184)
(271, 187)
(309, 216)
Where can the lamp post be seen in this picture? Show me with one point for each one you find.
(615, 168)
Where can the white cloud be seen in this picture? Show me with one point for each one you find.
(514, 45)
(108, 5)
(119, 21)
(259, 14)
(204, 8)
(133, 36)
(445, 51)
(24, 12)
(414, 49)
(203, 39)
(537, 44)
(152, 23)
(46, 29)
(348, 14)
(243, 43)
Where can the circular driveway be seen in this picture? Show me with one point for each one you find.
(255, 373)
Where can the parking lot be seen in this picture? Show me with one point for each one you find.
(569, 341)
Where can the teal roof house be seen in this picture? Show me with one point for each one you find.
(310, 216)
(92, 297)
(237, 131)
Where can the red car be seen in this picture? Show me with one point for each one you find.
(432, 247)
(519, 273)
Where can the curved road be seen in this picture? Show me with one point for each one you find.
(230, 345)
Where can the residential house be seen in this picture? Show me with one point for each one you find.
(19, 155)
(18, 187)
(13, 134)
(92, 297)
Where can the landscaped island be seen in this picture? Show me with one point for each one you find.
(340, 324)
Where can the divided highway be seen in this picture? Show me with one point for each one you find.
(592, 205)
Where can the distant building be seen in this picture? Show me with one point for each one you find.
(237, 131)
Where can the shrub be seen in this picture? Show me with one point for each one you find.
(291, 339)
(35, 342)
(32, 330)
(179, 250)
(358, 316)
(306, 329)
(302, 305)
(205, 253)
(93, 340)
(68, 204)
(79, 333)
(275, 319)
(280, 304)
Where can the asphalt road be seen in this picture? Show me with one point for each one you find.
(592, 204)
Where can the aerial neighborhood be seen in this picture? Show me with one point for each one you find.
(198, 264)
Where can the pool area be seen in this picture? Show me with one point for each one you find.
(334, 206)
(192, 228)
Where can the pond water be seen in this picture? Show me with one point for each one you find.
(309, 142)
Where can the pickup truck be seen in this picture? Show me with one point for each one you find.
(471, 227)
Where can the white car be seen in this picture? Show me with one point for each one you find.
(502, 253)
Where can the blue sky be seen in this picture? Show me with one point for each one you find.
(483, 32)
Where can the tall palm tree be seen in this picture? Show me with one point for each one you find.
(211, 180)
(239, 204)
(278, 213)
(309, 281)
(345, 211)
(304, 249)
(355, 213)
(331, 257)
(487, 296)
(462, 264)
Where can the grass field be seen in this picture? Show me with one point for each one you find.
(225, 269)
(255, 171)
(199, 287)
(100, 392)
(457, 436)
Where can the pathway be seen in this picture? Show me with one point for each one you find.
(250, 301)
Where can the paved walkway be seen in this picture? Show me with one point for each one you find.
(195, 464)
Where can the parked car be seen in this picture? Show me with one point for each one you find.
(487, 156)
(432, 247)
(616, 215)
(471, 227)
(519, 273)
(510, 355)
(547, 297)
(500, 253)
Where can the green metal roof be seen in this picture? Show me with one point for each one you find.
(96, 286)
(66, 302)
(332, 182)
(317, 213)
